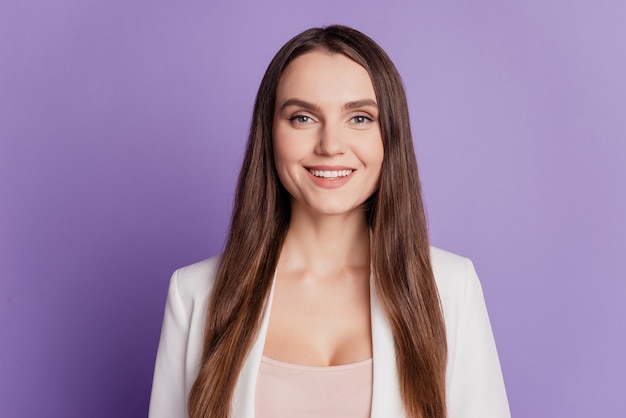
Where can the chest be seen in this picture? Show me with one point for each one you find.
(319, 324)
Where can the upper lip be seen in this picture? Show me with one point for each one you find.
(329, 167)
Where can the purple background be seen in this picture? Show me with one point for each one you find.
(122, 126)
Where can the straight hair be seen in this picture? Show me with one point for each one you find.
(400, 251)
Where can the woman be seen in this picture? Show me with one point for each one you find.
(328, 299)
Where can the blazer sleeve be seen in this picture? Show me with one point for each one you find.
(476, 389)
(168, 398)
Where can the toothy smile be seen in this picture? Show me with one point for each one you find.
(330, 174)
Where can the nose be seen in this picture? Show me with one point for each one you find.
(330, 141)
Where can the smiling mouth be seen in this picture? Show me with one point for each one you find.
(330, 174)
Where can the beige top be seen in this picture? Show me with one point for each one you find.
(291, 390)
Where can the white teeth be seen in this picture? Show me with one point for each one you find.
(331, 174)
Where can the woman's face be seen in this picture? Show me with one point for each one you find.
(328, 148)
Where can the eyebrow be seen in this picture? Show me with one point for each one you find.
(360, 103)
(299, 103)
(310, 106)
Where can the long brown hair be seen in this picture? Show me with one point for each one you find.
(403, 275)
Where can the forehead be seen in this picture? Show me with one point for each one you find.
(324, 76)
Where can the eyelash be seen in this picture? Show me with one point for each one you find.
(307, 119)
(298, 119)
(364, 118)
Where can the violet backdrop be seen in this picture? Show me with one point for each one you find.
(122, 126)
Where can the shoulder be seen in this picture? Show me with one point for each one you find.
(455, 277)
(180, 346)
(193, 283)
(198, 276)
(474, 381)
(450, 270)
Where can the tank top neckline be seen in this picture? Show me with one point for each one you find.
(320, 369)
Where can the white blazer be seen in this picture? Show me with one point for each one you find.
(474, 384)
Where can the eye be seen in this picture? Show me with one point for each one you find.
(361, 119)
(301, 119)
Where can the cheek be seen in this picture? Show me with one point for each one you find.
(290, 148)
(282, 149)
(373, 157)
(373, 153)
(379, 155)
(283, 161)
(283, 157)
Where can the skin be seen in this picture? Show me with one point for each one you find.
(325, 118)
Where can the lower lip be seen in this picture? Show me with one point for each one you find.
(330, 183)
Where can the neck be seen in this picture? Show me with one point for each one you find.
(326, 243)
